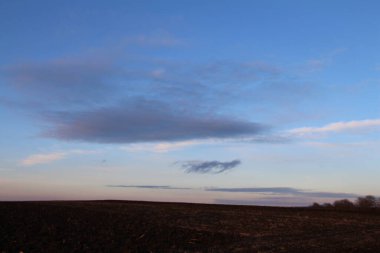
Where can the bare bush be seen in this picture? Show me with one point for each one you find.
(327, 205)
(368, 201)
(344, 204)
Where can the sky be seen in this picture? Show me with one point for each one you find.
(229, 102)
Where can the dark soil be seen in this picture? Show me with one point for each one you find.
(126, 226)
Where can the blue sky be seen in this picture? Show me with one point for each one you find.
(251, 102)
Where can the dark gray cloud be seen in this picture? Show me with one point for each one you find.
(98, 101)
(123, 99)
(285, 191)
(213, 167)
(143, 121)
(158, 187)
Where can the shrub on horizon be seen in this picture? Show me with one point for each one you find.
(343, 204)
(368, 201)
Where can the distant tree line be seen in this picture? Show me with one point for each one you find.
(367, 202)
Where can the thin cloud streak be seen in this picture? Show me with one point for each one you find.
(338, 127)
(161, 147)
(268, 201)
(285, 191)
(157, 187)
(212, 167)
(45, 158)
(269, 196)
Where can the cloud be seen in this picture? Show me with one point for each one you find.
(337, 127)
(160, 147)
(285, 191)
(268, 201)
(55, 156)
(354, 145)
(270, 192)
(159, 40)
(43, 158)
(61, 80)
(317, 64)
(236, 72)
(269, 139)
(214, 167)
(143, 121)
(158, 187)
(167, 146)
(118, 98)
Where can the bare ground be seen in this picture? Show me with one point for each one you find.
(129, 226)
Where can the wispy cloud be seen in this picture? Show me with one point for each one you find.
(157, 187)
(167, 146)
(267, 196)
(337, 127)
(268, 201)
(159, 40)
(44, 158)
(354, 145)
(213, 167)
(316, 64)
(161, 147)
(69, 81)
(285, 191)
(320, 63)
(269, 138)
